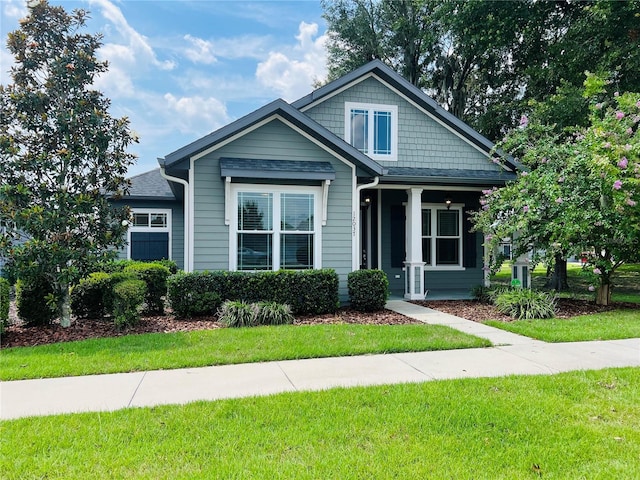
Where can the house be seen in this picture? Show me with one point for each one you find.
(364, 172)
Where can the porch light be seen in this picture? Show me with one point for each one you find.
(367, 200)
(447, 201)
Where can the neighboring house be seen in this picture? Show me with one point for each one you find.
(364, 172)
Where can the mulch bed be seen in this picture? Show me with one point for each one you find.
(480, 312)
(17, 335)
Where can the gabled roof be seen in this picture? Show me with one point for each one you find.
(280, 108)
(412, 92)
(150, 185)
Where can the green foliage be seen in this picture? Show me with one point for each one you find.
(368, 290)
(488, 61)
(526, 304)
(31, 303)
(88, 296)
(307, 291)
(235, 313)
(128, 297)
(580, 192)
(273, 313)
(60, 151)
(195, 294)
(155, 277)
(480, 293)
(243, 314)
(5, 292)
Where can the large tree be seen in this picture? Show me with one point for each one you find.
(579, 193)
(486, 61)
(60, 153)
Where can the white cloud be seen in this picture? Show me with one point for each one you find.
(136, 42)
(16, 9)
(195, 114)
(292, 73)
(200, 50)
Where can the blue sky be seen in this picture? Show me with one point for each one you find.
(181, 69)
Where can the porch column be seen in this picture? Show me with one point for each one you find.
(413, 265)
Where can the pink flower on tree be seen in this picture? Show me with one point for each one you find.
(524, 174)
(525, 209)
(592, 288)
(631, 203)
(597, 271)
(617, 185)
(607, 145)
(623, 162)
(559, 200)
(619, 115)
(524, 121)
(638, 104)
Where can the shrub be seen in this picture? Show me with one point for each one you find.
(308, 291)
(523, 303)
(238, 314)
(195, 294)
(272, 313)
(155, 277)
(481, 294)
(128, 297)
(5, 291)
(31, 301)
(88, 296)
(368, 290)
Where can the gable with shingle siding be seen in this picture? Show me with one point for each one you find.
(423, 142)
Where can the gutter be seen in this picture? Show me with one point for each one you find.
(185, 215)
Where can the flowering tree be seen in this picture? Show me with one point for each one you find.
(578, 193)
(60, 152)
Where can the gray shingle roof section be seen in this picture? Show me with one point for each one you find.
(276, 169)
(446, 176)
(286, 111)
(150, 185)
(390, 76)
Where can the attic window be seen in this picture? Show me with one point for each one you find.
(373, 129)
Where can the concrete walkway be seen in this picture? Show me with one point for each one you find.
(513, 354)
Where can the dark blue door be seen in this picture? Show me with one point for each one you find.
(147, 246)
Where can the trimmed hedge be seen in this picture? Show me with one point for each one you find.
(154, 275)
(306, 291)
(88, 296)
(128, 297)
(368, 290)
(31, 301)
(5, 292)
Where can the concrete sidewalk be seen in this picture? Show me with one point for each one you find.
(513, 355)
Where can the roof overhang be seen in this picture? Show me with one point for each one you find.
(276, 169)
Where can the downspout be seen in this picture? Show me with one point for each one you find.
(356, 259)
(185, 214)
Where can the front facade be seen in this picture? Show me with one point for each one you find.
(365, 172)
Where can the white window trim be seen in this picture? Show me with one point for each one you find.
(370, 108)
(434, 207)
(151, 211)
(276, 190)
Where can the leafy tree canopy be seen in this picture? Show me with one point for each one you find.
(60, 153)
(487, 61)
(579, 193)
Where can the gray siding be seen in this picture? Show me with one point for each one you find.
(177, 226)
(276, 141)
(422, 142)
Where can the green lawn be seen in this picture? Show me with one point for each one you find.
(224, 346)
(612, 325)
(567, 426)
(626, 282)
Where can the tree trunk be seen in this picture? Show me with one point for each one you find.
(603, 295)
(558, 280)
(65, 308)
